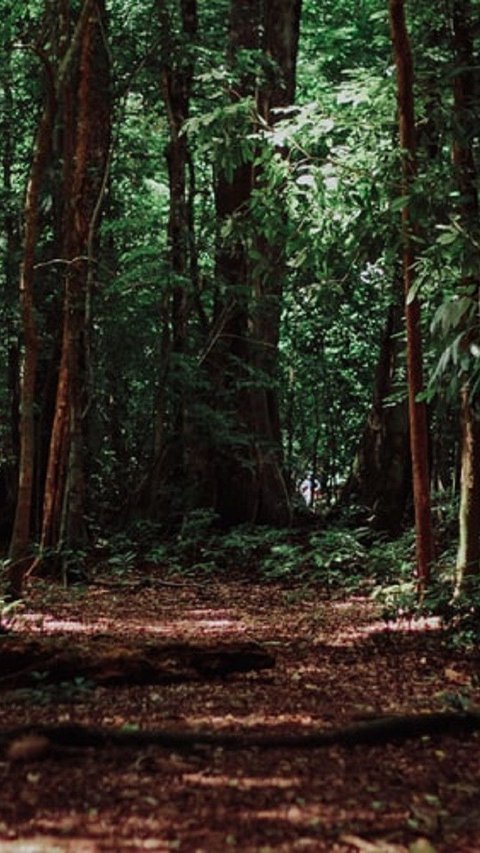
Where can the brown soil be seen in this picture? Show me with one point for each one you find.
(335, 663)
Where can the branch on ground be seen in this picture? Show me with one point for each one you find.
(33, 742)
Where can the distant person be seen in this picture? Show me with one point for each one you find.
(310, 489)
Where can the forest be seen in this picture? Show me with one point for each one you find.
(240, 423)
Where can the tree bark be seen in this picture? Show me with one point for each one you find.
(417, 409)
(171, 444)
(64, 496)
(235, 474)
(61, 74)
(10, 348)
(251, 483)
(20, 544)
(281, 35)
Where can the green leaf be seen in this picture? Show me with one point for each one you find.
(447, 238)
(399, 203)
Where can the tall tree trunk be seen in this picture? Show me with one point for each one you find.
(20, 544)
(281, 35)
(251, 482)
(50, 302)
(236, 474)
(170, 450)
(417, 409)
(10, 444)
(468, 556)
(58, 72)
(64, 497)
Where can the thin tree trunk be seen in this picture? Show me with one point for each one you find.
(381, 473)
(170, 454)
(9, 472)
(20, 544)
(417, 409)
(468, 556)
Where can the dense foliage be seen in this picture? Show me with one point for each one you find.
(208, 301)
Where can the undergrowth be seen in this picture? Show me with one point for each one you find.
(339, 560)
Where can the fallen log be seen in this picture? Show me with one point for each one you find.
(35, 741)
(104, 660)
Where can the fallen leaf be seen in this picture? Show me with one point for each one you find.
(456, 677)
(28, 748)
(421, 845)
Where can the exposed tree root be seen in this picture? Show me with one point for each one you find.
(31, 742)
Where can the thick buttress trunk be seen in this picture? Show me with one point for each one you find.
(417, 409)
(251, 484)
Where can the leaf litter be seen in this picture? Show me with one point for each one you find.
(336, 663)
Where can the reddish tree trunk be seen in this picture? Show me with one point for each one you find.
(20, 544)
(64, 496)
(417, 409)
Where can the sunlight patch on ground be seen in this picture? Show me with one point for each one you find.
(403, 625)
(417, 625)
(243, 783)
(40, 623)
(49, 845)
(205, 626)
(308, 816)
(218, 613)
(207, 621)
(272, 721)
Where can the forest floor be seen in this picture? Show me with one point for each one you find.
(336, 662)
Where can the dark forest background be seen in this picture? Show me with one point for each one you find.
(239, 251)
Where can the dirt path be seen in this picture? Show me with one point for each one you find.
(335, 664)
